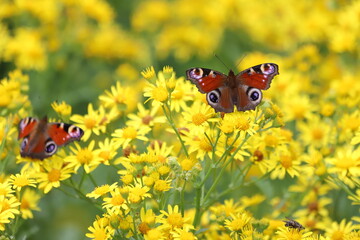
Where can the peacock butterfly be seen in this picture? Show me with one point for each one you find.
(41, 139)
(243, 90)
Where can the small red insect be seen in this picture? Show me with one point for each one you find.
(42, 139)
(243, 90)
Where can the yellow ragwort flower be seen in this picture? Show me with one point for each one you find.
(86, 157)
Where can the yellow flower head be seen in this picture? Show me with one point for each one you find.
(86, 157)
(29, 203)
(62, 108)
(173, 219)
(162, 185)
(21, 180)
(149, 73)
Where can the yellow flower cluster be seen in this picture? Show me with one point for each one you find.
(170, 167)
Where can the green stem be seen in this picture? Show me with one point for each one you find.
(134, 223)
(172, 124)
(198, 212)
(213, 186)
(82, 178)
(222, 156)
(92, 180)
(182, 199)
(81, 195)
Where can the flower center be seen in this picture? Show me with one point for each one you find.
(299, 111)
(161, 158)
(84, 156)
(24, 204)
(144, 228)
(105, 155)
(4, 206)
(117, 200)
(205, 145)
(54, 175)
(242, 124)
(129, 133)
(160, 94)
(258, 155)
(178, 94)
(175, 220)
(187, 164)
(21, 181)
(286, 161)
(90, 123)
(337, 235)
(119, 98)
(317, 134)
(147, 119)
(198, 118)
(237, 224)
(313, 206)
(271, 140)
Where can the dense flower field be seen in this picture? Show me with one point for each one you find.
(156, 161)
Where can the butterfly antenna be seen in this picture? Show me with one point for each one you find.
(242, 58)
(221, 61)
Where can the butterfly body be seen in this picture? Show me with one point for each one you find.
(41, 139)
(243, 90)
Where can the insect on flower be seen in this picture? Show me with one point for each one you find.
(291, 223)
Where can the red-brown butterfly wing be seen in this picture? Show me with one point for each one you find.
(206, 80)
(247, 98)
(26, 126)
(259, 76)
(221, 99)
(33, 133)
(63, 133)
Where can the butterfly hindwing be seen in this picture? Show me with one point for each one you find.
(221, 99)
(206, 79)
(258, 76)
(247, 98)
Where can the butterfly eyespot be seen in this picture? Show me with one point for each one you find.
(213, 96)
(50, 147)
(254, 94)
(24, 143)
(267, 68)
(196, 73)
(75, 131)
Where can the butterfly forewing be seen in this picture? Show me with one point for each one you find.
(259, 76)
(206, 79)
(63, 133)
(26, 126)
